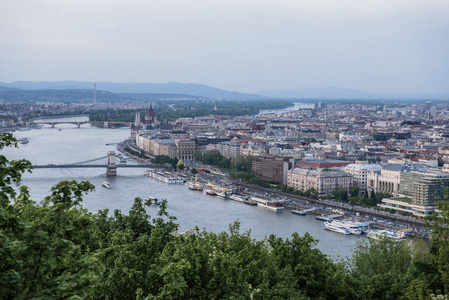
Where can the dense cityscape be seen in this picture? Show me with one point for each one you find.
(396, 147)
(383, 167)
(232, 149)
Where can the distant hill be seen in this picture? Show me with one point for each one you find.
(70, 95)
(3, 89)
(153, 88)
(78, 95)
(341, 93)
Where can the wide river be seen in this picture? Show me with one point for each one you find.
(192, 208)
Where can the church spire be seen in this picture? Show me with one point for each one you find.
(137, 120)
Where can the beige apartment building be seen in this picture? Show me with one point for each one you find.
(388, 180)
(229, 149)
(322, 181)
(185, 149)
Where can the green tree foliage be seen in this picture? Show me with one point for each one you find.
(381, 267)
(440, 240)
(243, 163)
(311, 193)
(194, 171)
(371, 201)
(197, 155)
(341, 195)
(354, 190)
(164, 159)
(140, 154)
(440, 161)
(122, 115)
(214, 158)
(191, 109)
(41, 245)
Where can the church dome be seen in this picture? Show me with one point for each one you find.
(150, 114)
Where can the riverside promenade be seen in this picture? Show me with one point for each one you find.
(338, 205)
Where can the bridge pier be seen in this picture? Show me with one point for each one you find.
(78, 124)
(106, 124)
(52, 125)
(111, 169)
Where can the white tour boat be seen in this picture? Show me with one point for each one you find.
(106, 185)
(332, 227)
(353, 229)
(363, 226)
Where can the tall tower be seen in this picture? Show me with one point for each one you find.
(134, 127)
(95, 93)
(137, 120)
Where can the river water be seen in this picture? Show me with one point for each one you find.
(295, 107)
(192, 208)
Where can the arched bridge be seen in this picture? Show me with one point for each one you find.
(79, 123)
(111, 162)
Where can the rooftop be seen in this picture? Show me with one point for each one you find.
(402, 199)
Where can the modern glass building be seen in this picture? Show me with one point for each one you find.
(425, 189)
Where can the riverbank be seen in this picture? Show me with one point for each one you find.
(379, 219)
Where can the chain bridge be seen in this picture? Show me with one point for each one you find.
(111, 162)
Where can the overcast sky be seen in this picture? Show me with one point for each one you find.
(396, 46)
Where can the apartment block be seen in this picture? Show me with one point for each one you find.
(322, 181)
(272, 168)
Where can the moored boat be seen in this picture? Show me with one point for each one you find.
(274, 206)
(250, 202)
(195, 185)
(299, 212)
(363, 226)
(332, 227)
(238, 198)
(166, 177)
(353, 229)
(223, 193)
(211, 192)
(385, 233)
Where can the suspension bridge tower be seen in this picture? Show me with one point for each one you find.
(111, 169)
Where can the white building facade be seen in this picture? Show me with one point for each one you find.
(360, 173)
(324, 182)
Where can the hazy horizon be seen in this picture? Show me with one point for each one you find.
(251, 46)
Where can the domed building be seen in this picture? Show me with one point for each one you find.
(150, 119)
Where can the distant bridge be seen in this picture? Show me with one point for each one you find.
(110, 162)
(79, 123)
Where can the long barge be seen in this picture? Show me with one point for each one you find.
(166, 177)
